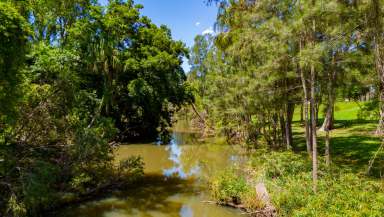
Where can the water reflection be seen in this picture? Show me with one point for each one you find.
(173, 186)
(186, 211)
(175, 152)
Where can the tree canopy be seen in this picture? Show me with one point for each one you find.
(75, 76)
(270, 57)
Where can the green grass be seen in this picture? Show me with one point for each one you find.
(353, 142)
(344, 188)
(340, 192)
(343, 111)
(230, 187)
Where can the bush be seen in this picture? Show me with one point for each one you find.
(340, 193)
(39, 186)
(228, 187)
(131, 168)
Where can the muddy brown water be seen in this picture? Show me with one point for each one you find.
(174, 184)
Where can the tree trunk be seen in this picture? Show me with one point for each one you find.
(197, 113)
(329, 116)
(328, 121)
(98, 112)
(275, 119)
(308, 128)
(376, 25)
(308, 138)
(302, 112)
(327, 127)
(379, 62)
(288, 125)
(317, 109)
(313, 129)
(313, 124)
(327, 148)
(283, 129)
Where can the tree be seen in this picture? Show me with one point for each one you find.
(375, 34)
(279, 46)
(139, 66)
(14, 32)
(249, 27)
(86, 75)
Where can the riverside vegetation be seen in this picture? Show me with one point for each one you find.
(344, 187)
(299, 84)
(75, 76)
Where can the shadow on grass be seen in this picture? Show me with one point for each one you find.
(353, 145)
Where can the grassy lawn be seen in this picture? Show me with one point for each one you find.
(343, 111)
(353, 142)
(344, 189)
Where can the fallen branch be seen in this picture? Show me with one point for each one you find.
(197, 113)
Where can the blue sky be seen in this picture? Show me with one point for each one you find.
(185, 18)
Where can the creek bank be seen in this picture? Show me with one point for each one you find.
(266, 210)
(181, 169)
(125, 174)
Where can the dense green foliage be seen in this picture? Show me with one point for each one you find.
(279, 77)
(134, 68)
(231, 188)
(344, 189)
(75, 76)
(340, 193)
(276, 75)
(250, 76)
(13, 36)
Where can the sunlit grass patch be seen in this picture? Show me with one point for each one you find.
(340, 191)
(343, 111)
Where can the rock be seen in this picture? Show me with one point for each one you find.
(269, 210)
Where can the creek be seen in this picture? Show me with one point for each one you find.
(175, 182)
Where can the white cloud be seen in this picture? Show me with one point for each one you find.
(197, 24)
(208, 31)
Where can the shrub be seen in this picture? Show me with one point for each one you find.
(229, 187)
(340, 193)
